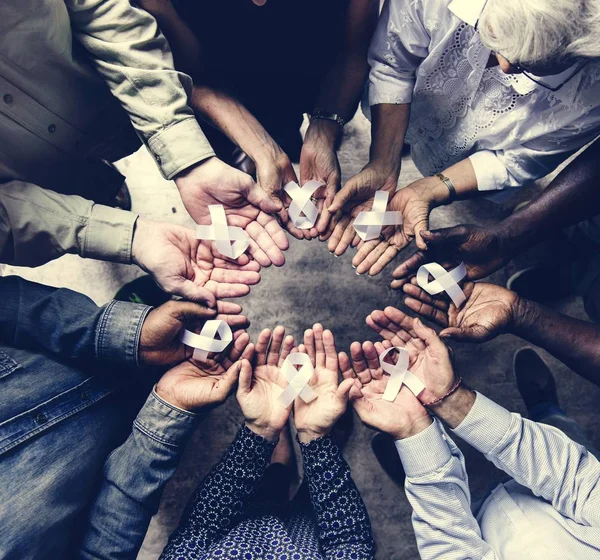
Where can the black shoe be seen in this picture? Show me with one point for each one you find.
(384, 449)
(541, 284)
(143, 290)
(534, 379)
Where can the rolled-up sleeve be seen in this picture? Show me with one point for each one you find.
(399, 45)
(135, 60)
(38, 225)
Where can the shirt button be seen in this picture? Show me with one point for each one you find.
(8, 99)
(52, 128)
(157, 159)
(41, 418)
(84, 395)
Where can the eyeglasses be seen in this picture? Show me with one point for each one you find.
(527, 73)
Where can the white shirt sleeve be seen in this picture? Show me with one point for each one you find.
(538, 457)
(438, 490)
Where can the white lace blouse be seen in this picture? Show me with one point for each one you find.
(427, 53)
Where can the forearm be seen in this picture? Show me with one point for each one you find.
(231, 117)
(68, 324)
(134, 477)
(240, 470)
(389, 123)
(572, 341)
(333, 495)
(570, 198)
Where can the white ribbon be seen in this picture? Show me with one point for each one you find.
(222, 234)
(368, 224)
(206, 341)
(444, 281)
(399, 374)
(303, 212)
(298, 379)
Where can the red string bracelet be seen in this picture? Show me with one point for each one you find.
(450, 392)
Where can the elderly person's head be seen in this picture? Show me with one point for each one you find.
(541, 36)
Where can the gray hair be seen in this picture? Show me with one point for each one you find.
(537, 31)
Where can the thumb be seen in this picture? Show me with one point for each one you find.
(345, 195)
(245, 377)
(267, 202)
(456, 234)
(456, 333)
(228, 381)
(343, 390)
(421, 225)
(187, 311)
(427, 335)
(190, 291)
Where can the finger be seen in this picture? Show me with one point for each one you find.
(456, 333)
(399, 320)
(228, 308)
(248, 266)
(190, 291)
(336, 236)
(398, 284)
(245, 378)
(410, 265)
(262, 346)
(346, 366)
(355, 391)
(288, 345)
(359, 363)
(333, 221)
(274, 230)
(365, 250)
(225, 386)
(388, 256)
(427, 311)
(266, 243)
(421, 225)
(241, 342)
(343, 197)
(417, 292)
(302, 349)
(371, 356)
(223, 291)
(258, 254)
(309, 345)
(225, 276)
(346, 239)
(343, 390)
(268, 202)
(428, 336)
(319, 345)
(235, 321)
(186, 311)
(275, 346)
(331, 360)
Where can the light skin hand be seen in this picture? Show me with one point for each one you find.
(489, 311)
(246, 205)
(180, 264)
(402, 418)
(195, 386)
(160, 340)
(317, 418)
(259, 388)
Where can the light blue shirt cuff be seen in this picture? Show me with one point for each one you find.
(486, 425)
(118, 332)
(426, 452)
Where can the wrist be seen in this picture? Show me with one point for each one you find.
(264, 431)
(140, 232)
(525, 316)
(323, 131)
(306, 436)
(386, 168)
(453, 409)
(413, 427)
(438, 192)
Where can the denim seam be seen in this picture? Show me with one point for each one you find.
(138, 334)
(102, 328)
(154, 435)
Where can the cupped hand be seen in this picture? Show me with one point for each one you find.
(160, 338)
(181, 264)
(405, 416)
(195, 387)
(482, 250)
(246, 205)
(259, 388)
(317, 418)
(489, 311)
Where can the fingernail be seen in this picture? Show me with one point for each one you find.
(358, 273)
(336, 256)
(353, 266)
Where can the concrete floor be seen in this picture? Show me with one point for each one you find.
(314, 286)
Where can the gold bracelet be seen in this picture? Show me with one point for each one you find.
(448, 182)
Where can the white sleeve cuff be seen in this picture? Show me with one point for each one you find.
(490, 172)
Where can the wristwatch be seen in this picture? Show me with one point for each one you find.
(328, 117)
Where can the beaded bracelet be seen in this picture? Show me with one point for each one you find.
(450, 392)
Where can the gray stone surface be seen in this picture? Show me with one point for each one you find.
(315, 286)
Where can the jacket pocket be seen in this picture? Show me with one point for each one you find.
(7, 365)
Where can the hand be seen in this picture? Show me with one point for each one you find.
(356, 196)
(415, 203)
(429, 356)
(482, 250)
(246, 206)
(180, 264)
(193, 387)
(258, 391)
(316, 419)
(490, 310)
(319, 162)
(402, 418)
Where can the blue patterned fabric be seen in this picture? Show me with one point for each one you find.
(221, 522)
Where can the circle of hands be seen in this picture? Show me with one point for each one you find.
(193, 269)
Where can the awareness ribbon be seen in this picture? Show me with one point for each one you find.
(368, 224)
(206, 341)
(303, 212)
(222, 234)
(399, 374)
(443, 281)
(298, 379)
